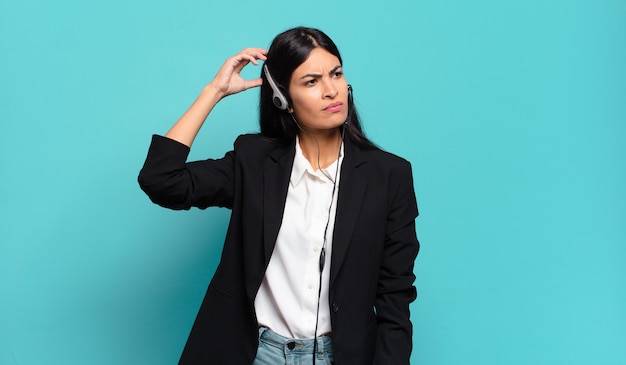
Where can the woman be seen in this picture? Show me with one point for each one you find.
(319, 253)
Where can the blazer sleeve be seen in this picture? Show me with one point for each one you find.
(171, 182)
(395, 283)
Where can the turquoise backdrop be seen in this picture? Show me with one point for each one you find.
(513, 114)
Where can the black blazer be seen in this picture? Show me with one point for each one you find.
(374, 246)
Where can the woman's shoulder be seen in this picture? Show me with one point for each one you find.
(250, 140)
(255, 141)
(255, 144)
(386, 160)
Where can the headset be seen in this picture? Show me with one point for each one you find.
(280, 100)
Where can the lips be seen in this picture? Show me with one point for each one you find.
(334, 107)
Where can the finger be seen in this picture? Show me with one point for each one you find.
(254, 54)
(253, 83)
(260, 54)
(244, 59)
(255, 51)
(253, 57)
(240, 62)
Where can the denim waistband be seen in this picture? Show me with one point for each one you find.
(290, 345)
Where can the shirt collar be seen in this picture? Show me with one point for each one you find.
(302, 166)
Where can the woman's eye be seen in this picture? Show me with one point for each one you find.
(310, 82)
(338, 74)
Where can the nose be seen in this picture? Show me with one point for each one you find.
(330, 91)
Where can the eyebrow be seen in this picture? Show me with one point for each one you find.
(334, 69)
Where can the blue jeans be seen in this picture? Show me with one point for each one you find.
(275, 349)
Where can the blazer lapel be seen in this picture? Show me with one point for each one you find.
(276, 174)
(352, 187)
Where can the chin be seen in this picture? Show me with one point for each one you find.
(340, 118)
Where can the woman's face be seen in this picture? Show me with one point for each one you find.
(319, 92)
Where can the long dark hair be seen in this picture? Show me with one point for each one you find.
(288, 51)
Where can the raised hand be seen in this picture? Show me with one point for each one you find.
(228, 79)
(226, 82)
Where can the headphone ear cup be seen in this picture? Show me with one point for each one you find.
(278, 98)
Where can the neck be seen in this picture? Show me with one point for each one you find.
(329, 143)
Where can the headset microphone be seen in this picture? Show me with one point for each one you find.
(350, 104)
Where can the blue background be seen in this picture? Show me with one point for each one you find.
(513, 114)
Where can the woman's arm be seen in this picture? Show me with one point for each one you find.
(395, 283)
(227, 81)
(166, 177)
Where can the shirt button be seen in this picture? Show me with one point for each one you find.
(310, 286)
(335, 308)
(315, 249)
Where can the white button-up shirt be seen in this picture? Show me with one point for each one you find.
(288, 297)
